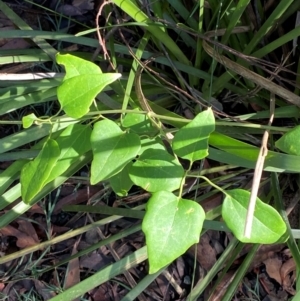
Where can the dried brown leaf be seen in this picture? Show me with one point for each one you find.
(221, 288)
(84, 5)
(23, 240)
(27, 228)
(16, 44)
(287, 272)
(101, 293)
(95, 261)
(273, 265)
(75, 198)
(78, 7)
(42, 289)
(36, 208)
(206, 254)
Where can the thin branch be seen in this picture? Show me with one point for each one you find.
(258, 172)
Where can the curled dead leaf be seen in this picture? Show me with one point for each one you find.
(23, 240)
(288, 275)
(273, 265)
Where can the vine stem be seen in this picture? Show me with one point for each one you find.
(212, 184)
(162, 117)
(183, 179)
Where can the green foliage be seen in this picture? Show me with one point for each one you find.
(171, 224)
(82, 83)
(112, 149)
(156, 170)
(191, 67)
(268, 226)
(191, 141)
(35, 174)
(121, 182)
(289, 142)
(73, 142)
(28, 120)
(139, 124)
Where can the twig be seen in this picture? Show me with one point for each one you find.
(258, 172)
(173, 282)
(144, 101)
(101, 41)
(260, 164)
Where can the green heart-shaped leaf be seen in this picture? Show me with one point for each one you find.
(35, 173)
(76, 66)
(268, 226)
(73, 142)
(290, 142)
(112, 149)
(82, 83)
(156, 170)
(28, 120)
(171, 226)
(139, 123)
(191, 141)
(121, 182)
(152, 143)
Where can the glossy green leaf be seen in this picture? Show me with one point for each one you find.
(28, 120)
(35, 173)
(191, 141)
(82, 83)
(73, 142)
(121, 182)
(290, 142)
(75, 101)
(139, 123)
(171, 226)
(268, 226)
(112, 149)
(156, 170)
(75, 65)
(152, 143)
